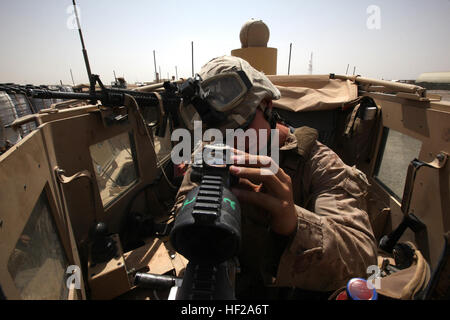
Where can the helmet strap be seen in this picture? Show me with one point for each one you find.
(271, 117)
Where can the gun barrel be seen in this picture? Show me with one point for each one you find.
(47, 94)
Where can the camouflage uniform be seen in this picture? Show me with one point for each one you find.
(333, 241)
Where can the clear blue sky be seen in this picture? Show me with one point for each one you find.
(38, 47)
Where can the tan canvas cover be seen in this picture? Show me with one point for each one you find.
(313, 92)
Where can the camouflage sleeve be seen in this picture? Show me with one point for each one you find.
(334, 240)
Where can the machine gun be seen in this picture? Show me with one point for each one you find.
(110, 97)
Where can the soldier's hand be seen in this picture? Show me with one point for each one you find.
(267, 186)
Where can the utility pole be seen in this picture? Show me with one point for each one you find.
(289, 63)
(156, 72)
(192, 49)
(310, 66)
(348, 65)
(71, 75)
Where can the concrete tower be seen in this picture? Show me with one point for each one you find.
(254, 37)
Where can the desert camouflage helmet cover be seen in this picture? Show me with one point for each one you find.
(262, 88)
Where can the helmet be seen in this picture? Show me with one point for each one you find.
(241, 112)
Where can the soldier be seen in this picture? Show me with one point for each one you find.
(304, 226)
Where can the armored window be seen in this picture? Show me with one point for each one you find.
(163, 146)
(38, 263)
(115, 166)
(396, 152)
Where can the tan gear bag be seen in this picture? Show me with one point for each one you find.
(407, 283)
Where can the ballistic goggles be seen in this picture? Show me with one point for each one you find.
(225, 91)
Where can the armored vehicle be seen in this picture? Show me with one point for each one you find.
(88, 184)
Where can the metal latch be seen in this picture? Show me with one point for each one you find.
(63, 179)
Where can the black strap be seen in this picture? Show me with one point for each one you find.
(245, 79)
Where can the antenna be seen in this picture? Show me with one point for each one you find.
(354, 70)
(176, 72)
(348, 65)
(115, 78)
(289, 64)
(85, 55)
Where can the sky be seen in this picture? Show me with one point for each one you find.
(399, 39)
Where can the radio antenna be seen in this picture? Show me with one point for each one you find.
(85, 55)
